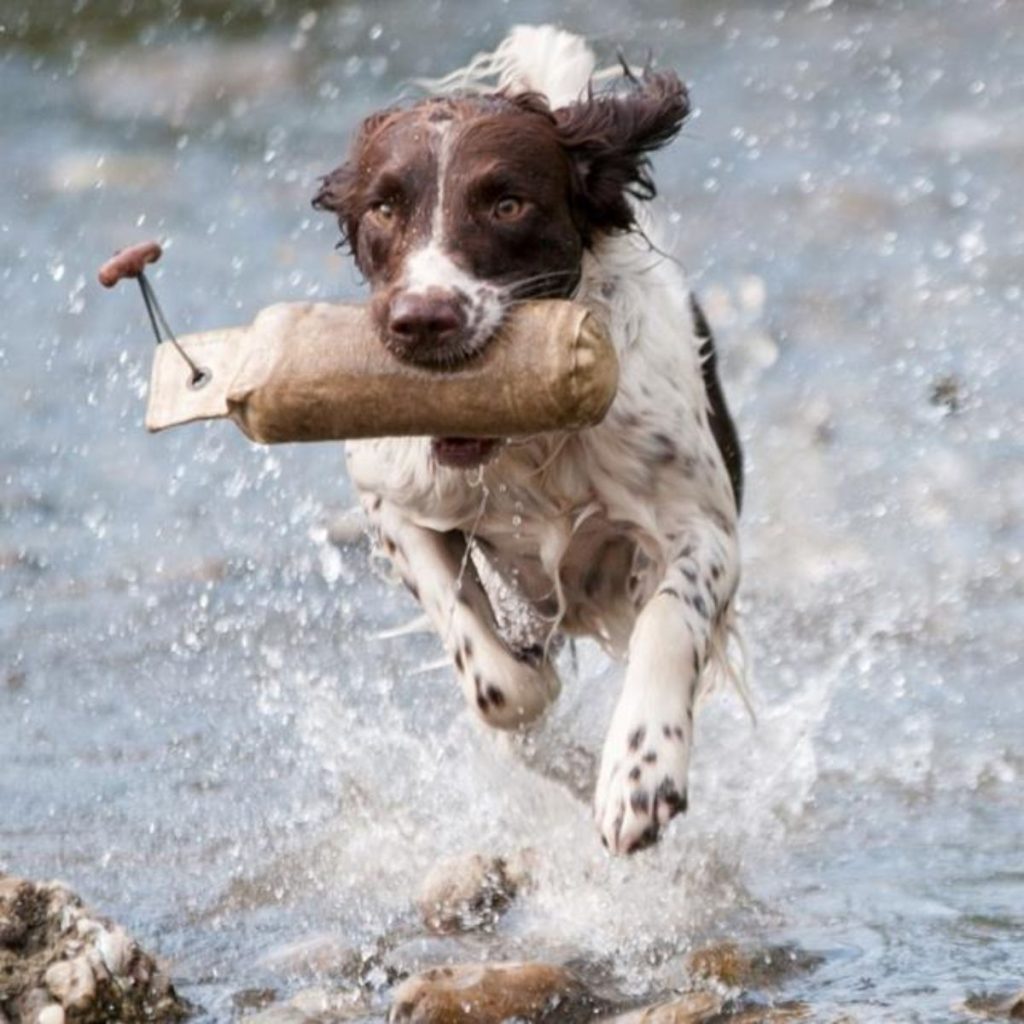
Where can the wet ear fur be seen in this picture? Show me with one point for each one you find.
(339, 190)
(608, 139)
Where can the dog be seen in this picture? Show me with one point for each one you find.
(524, 176)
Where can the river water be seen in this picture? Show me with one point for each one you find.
(199, 727)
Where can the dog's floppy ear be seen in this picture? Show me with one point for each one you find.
(337, 195)
(608, 138)
(339, 191)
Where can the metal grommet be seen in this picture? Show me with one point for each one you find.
(200, 378)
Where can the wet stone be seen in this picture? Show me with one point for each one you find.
(737, 967)
(530, 993)
(471, 892)
(59, 960)
(993, 1006)
(780, 1013)
(693, 1008)
(710, 1008)
(254, 998)
(72, 983)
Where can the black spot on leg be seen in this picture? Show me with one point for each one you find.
(696, 662)
(716, 571)
(650, 757)
(634, 773)
(636, 737)
(678, 732)
(640, 802)
(459, 663)
(702, 608)
(690, 576)
(495, 696)
(664, 449)
(389, 545)
(481, 702)
(468, 648)
(670, 797)
(667, 731)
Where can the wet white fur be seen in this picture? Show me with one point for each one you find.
(545, 512)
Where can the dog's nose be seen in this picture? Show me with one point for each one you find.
(419, 322)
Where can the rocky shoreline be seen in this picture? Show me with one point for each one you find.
(60, 963)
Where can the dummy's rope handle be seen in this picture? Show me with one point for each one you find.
(131, 262)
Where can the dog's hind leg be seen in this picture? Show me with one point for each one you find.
(642, 782)
(506, 688)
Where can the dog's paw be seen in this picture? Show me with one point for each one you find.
(506, 690)
(642, 782)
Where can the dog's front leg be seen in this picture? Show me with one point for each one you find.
(505, 688)
(642, 780)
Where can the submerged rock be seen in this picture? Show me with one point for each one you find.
(750, 968)
(466, 893)
(530, 993)
(693, 1008)
(996, 1007)
(710, 1008)
(60, 963)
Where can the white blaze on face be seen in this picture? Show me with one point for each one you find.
(431, 266)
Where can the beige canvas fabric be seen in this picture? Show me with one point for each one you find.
(318, 372)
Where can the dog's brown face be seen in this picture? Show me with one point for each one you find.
(456, 208)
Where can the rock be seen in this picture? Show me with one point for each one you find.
(58, 959)
(780, 1013)
(72, 983)
(254, 998)
(994, 1006)
(466, 893)
(709, 1008)
(490, 994)
(735, 967)
(30, 1005)
(693, 1008)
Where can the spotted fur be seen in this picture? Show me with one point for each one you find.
(627, 531)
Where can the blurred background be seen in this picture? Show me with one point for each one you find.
(199, 728)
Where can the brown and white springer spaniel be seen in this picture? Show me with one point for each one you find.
(518, 179)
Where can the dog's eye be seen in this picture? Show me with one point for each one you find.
(383, 211)
(508, 208)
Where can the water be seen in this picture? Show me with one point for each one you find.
(198, 729)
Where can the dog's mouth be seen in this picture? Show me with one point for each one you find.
(464, 452)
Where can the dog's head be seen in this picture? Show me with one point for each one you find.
(458, 206)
